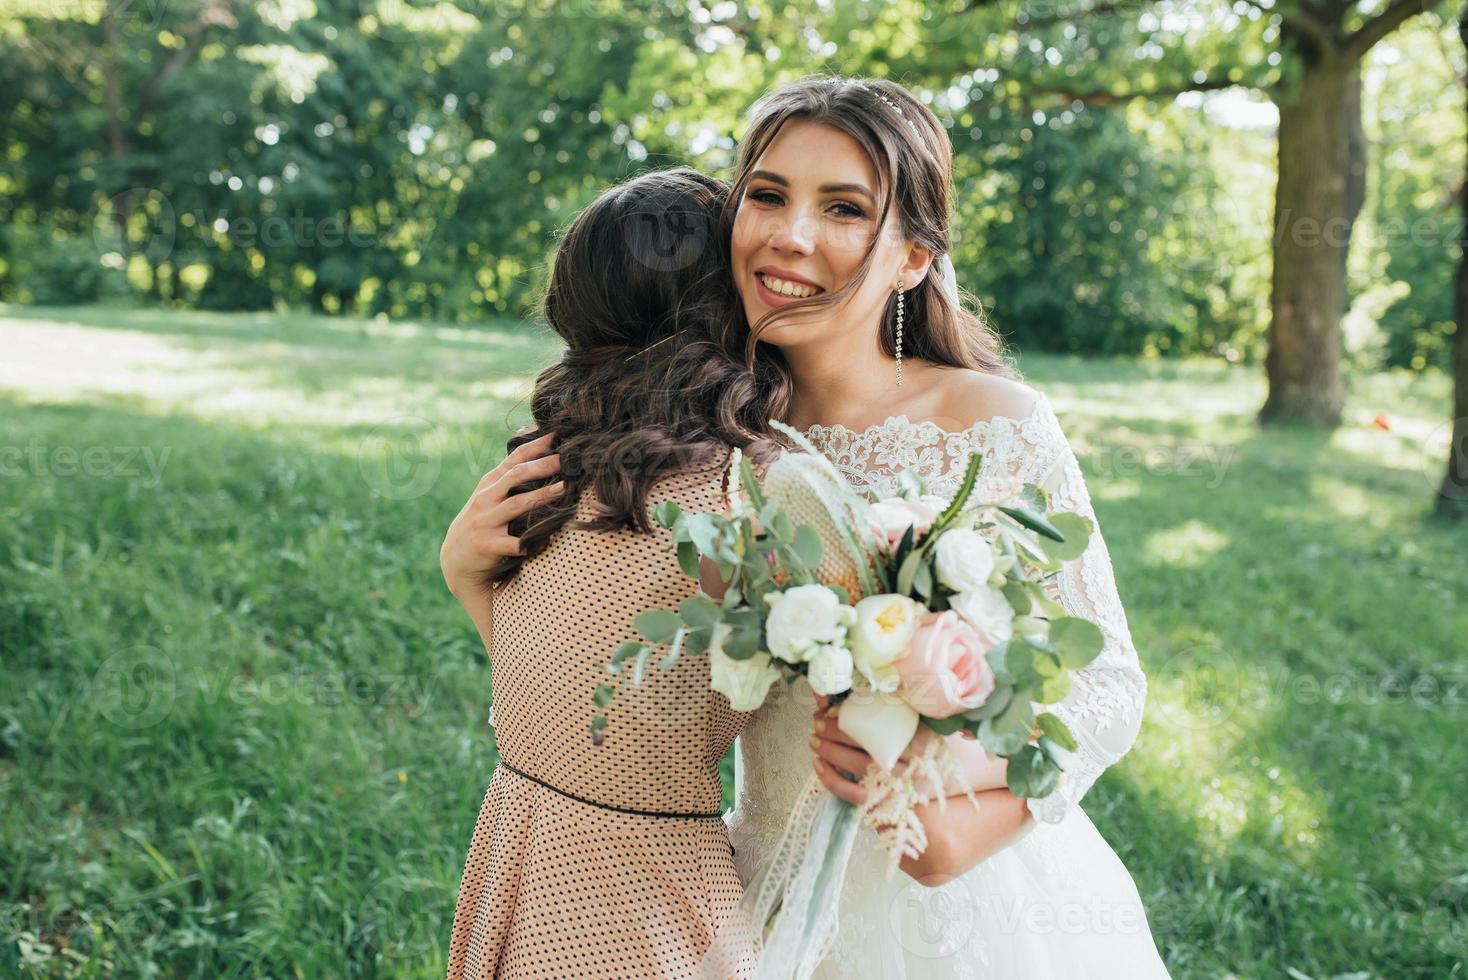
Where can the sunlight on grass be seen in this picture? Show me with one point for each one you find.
(266, 381)
(249, 506)
(1189, 545)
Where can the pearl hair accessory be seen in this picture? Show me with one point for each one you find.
(894, 107)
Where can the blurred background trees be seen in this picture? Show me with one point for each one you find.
(1118, 163)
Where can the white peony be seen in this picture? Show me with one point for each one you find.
(829, 670)
(882, 724)
(883, 630)
(744, 682)
(802, 618)
(963, 559)
(987, 611)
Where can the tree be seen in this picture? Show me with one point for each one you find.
(1318, 46)
(1452, 497)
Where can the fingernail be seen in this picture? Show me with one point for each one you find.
(815, 743)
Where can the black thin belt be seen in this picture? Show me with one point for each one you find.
(716, 815)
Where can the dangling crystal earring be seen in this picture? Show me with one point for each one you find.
(900, 287)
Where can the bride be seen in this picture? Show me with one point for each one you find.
(839, 227)
(839, 219)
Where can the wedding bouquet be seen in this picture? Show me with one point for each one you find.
(907, 610)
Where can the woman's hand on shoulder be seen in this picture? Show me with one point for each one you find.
(479, 537)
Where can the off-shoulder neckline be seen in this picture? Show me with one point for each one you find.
(815, 432)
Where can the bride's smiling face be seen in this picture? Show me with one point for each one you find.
(803, 228)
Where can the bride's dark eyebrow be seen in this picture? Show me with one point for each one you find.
(775, 178)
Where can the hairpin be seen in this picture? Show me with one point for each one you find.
(894, 106)
(651, 346)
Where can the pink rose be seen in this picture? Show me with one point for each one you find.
(888, 520)
(945, 672)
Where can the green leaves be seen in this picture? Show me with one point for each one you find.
(658, 625)
(808, 546)
(1032, 774)
(1076, 533)
(700, 612)
(667, 513)
(1076, 641)
(1035, 522)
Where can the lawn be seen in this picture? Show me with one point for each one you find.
(242, 726)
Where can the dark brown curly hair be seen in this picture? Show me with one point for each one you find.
(652, 380)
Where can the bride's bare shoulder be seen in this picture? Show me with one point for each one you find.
(968, 396)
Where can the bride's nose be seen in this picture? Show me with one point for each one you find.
(797, 235)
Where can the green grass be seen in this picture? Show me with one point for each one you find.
(242, 725)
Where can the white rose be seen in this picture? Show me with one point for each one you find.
(883, 724)
(987, 611)
(830, 669)
(963, 559)
(802, 618)
(743, 682)
(883, 630)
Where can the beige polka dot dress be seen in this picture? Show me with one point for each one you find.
(598, 861)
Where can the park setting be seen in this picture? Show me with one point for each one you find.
(270, 277)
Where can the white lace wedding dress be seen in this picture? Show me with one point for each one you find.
(1056, 904)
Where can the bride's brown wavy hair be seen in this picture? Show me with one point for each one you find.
(652, 379)
(913, 158)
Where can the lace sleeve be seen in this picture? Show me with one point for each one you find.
(1103, 707)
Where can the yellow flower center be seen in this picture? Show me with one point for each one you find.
(891, 618)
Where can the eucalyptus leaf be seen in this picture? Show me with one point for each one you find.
(945, 726)
(658, 625)
(1032, 774)
(667, 513)
(1077, 641)
(997, 702)
(604, 695)
(700, 612)
(1056, 731)
(1017, 595)
(1076, 531)
(688, 559)
(808, 546)
(1001, 742)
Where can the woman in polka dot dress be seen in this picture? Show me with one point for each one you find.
(607, 860)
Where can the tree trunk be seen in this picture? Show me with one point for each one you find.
(116, 136)
(1311, 234)
(1357, 152)
(1452, 497)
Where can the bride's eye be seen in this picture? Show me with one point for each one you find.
(765, 197)
(848, 210)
